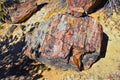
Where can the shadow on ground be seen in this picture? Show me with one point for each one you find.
(103, 46)
(14, 64)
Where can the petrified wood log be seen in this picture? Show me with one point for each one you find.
(66, 42)
(19, 12)
(80, 7)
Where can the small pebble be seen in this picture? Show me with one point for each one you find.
(23, 27)
(11, 29)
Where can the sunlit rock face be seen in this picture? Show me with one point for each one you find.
(18, 11)
(83, 7)
(64, 41)
(23, 11)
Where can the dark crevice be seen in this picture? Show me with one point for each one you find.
(39, 7)
(97, 5)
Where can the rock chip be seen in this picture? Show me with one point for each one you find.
(11, 29)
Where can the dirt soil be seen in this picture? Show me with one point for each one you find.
(106, 68)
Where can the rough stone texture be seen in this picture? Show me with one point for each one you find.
(19, 12)
(65, 41)
(102, 69)
(80, 7)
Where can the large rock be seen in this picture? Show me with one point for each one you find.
(66, 42)
(19, 12)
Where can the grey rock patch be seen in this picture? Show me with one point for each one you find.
(11, 29)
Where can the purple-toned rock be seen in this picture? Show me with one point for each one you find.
(19, 12)
(66, 42)
(80, 7)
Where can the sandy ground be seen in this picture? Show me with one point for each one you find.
(107, 68)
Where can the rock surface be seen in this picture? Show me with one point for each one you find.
(14, 66)
(63, 39)
(19, 12)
